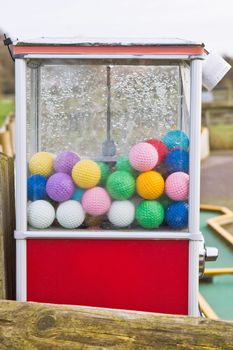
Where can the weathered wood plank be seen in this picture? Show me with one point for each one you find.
(7, 226)
(44, 326)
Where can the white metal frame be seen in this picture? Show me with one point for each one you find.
(21, 177)
(193, 236)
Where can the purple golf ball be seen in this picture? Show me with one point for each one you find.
(60, 187)
(65, 162)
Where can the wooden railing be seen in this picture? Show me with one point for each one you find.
(7, 226)
(44, 326)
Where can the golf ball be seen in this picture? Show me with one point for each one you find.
(41, 163)
(121, 213)
(41, 214)
(60, 187)
(70, 214)
(121, 185)
(105, 172)
(36, 187)
(176, 138)
(160, 147)
(143, 156)
(78, 194)
(177, 186)
(150, 185)
(86, 173)
(65, 162)
(124, 164)
(150, 214)
(176, 215)
(177, 160)
(96, 201)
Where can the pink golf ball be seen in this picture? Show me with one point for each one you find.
(177, 186)
(96, 201)
(143, 156)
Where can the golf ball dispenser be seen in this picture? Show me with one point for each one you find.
(108, 173)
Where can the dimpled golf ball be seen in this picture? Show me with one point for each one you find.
(150, 214)
(177, 160)
(41, 163)
(41, 214)
(86, 173)
(65, 162)
(124, 164)
(36, 187)
(176, 138)
(70, 214)
(143, 156)
(121, 213)
(78, 194)
(177, 186)
(176, 215)
(105, 172)
(160, 147)
(121, 185)
(150, 185)
(60, 187)
(96, 201)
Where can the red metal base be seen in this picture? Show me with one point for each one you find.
(145, 275)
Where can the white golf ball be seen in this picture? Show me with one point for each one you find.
(121, 213)
(41, 214)
(70, 214)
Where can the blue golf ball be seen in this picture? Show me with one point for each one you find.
(78, 193)
(177, 160)
(176, 215)
(36, 187)
(176, 138)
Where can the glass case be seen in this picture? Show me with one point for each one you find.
(108, 144)
(108, 166)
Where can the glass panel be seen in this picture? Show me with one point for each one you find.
(105, 111)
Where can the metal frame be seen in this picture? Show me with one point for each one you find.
(193, 235)
(21, 176)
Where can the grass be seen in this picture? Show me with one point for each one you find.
(221, 136)
(7, 106)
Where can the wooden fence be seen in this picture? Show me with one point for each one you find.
(44, 326)
(7, 226)
(7, 136)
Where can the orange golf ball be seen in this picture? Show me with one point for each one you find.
(150, 185)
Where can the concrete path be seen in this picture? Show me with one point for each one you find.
(217, 179)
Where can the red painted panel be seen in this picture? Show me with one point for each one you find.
(110, 50)
(145, 275)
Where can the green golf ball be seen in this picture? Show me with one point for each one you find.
(124, 164)
(105, 172)
(121, 185)
(150, 214)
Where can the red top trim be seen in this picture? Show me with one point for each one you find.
(111, 50)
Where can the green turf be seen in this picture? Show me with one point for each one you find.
(212, 239)
(218, 293)
(221, 136)
(6, 107)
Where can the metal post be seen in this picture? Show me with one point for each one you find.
(194, 187)
(21, 176)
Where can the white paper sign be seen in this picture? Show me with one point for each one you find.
(213, 70)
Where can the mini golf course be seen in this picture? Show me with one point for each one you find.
(217, 289)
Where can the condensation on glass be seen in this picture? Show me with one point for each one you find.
(67, 104)
(78, 105)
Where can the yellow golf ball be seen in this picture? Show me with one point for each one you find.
(41, 163)
(86, 173)
(150, 185)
